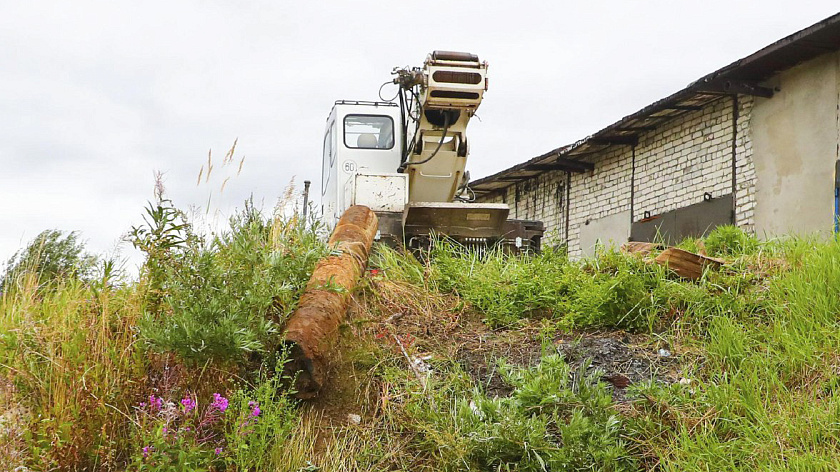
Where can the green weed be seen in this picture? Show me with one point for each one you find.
(729, 240)
(223, 299)
(555, 419)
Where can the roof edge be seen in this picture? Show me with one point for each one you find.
(793, 50)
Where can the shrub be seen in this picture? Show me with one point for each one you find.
(225, 298)
(52, 256)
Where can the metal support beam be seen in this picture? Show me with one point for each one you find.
(564, 164)
(566, 210)
(632, 182)
(733, 86)
(586, 166)
(684, 107)
(626, 140)
(546, 167)
(734, 158)
(563, 167)
(636, 128)
(579, 155)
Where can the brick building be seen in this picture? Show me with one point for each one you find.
(755, 144)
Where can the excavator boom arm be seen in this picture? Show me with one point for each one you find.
(443, 96)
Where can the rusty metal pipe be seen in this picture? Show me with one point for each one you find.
(312, 330)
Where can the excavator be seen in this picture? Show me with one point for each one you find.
(406, 160)
(395, 171)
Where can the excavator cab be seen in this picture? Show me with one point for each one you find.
(406, 161)
(362, 148)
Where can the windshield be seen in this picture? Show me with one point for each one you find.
(368, 132)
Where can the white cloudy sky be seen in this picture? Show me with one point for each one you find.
(97, 95)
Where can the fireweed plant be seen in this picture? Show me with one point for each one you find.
(217, 434)
(180, 435)
(260, 420)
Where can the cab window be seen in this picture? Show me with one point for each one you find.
(368, 132)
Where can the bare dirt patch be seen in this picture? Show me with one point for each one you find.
(403, 323)
(622, 359)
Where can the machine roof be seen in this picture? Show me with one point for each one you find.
(740, 77)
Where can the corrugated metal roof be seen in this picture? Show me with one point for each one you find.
(740, 77)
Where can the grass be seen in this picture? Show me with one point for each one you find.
(757, 340)
(763, 332)
(764, 399)
(550, 421)
(612, 291)
(70, 350)
(81, 353)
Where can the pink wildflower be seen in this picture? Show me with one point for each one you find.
(218, 451)
(255, 408)
(155, 403)
(189, 405)
(219, 402)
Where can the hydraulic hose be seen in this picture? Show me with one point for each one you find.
(440, 143)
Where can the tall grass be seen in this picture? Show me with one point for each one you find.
(81, 353)
(70, 352)
(612, 290)
(78, 355)
(767, 396)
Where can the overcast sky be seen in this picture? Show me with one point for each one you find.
(97, 95)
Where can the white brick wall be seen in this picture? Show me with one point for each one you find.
(602, 192)
(675, 165)
(541, 198)
(744, 168)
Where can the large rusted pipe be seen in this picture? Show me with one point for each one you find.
(312, 330)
